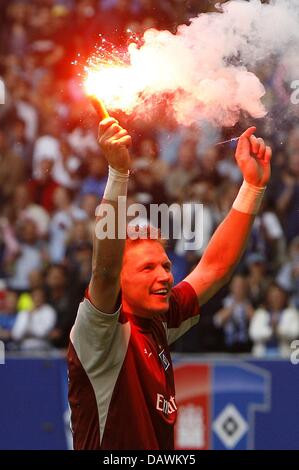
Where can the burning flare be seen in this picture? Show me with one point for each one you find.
(204, 70)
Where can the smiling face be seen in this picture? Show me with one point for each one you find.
(146, 279)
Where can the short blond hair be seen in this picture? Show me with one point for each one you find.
(145, 233)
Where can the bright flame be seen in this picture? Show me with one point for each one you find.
(112, 84)
(125, 86)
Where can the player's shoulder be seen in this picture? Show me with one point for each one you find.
(182, 290)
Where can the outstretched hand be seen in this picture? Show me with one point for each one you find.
(253, 158)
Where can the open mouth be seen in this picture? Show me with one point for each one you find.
(161, 292)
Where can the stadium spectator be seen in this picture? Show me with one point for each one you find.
(30, 256)
(42, 187)
(9, 179)
(95, 181)
(63, 293)
(235, 316)
(288, 276)
(288, 196)
(20, 144)
(8, 313)
(275, 325)
(63, 219)
(32, 328)
(184, 170)
(257, 279)
(24, 209)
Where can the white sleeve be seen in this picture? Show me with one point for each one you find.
(21, 325)
(44, 323)
(272, 225)
(259, 329)
(284, 276)
(288, 327)
(99, 337)
(100, 341)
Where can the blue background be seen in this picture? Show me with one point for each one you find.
(34, 410)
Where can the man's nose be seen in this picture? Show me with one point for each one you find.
(163, 275)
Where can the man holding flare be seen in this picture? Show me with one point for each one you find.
(121, 384)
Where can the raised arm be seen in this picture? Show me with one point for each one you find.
(229, 240)
(108, 250)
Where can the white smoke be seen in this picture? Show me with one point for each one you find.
(208, 66)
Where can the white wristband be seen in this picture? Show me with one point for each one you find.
(117, 185)
(249, 198)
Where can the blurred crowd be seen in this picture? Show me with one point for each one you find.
(52, 177)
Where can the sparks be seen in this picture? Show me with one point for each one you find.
(109, 77)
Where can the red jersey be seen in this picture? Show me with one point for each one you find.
(121, 384)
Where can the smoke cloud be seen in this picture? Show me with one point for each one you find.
(207, 67)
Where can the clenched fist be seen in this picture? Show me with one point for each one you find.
(253, 158)
(115, 142)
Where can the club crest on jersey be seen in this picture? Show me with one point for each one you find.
(164, 360)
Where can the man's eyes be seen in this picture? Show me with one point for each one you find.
(148, 267)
